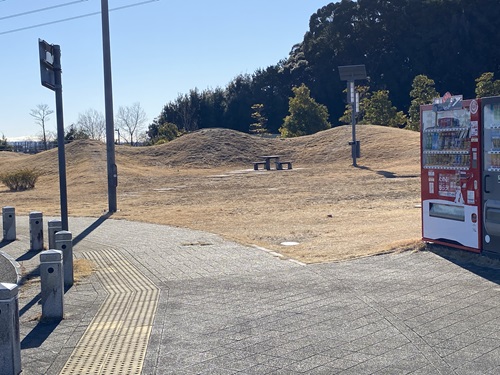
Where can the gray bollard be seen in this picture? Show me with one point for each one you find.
(52, 284)
(64, 242)
(9, 223)
(53, 226)
(10, 345)
(36, 231)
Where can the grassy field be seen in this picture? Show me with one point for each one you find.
(205, 180)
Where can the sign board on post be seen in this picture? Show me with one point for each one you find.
(50, 73)
(47, 74)
(352, 72)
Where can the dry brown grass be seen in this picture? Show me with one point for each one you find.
(82, 268)
(205, 181)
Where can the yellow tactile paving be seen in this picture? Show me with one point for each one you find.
(116, 340)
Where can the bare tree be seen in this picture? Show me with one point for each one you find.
(131, 120)
(92, 123)
(41, 115)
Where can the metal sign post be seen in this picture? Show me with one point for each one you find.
(50, 72)
(350, 73)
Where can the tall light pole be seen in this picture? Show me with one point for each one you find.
(350, 73)
(108, 105)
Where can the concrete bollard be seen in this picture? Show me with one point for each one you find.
(53, 226)
(36, 231)
(10, 345)
(9, 223)
(64, 242)
(52, 284)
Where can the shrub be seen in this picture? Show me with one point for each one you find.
(20, 180)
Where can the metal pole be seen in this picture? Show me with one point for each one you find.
(60, 137)
(352, 99)
(108, 103)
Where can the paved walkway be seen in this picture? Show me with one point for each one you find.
(165, 300)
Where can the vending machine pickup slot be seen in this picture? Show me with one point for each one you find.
(447, 211)
(492, 217)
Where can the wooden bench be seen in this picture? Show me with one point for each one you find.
(257, 163)
(279, 165)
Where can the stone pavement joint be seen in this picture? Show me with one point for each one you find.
(223, 308)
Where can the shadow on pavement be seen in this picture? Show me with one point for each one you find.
(91, 228)
(487, 268)
(28, 306)
(4, 243)
(28, 255)
(39, 334)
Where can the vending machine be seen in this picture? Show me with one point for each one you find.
(451, 173)
(490, 113)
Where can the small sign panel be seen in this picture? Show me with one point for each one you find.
(352, 72)
(48, 77)
(474, 128)
(47, 74)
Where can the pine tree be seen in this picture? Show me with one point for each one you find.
(259, 126)
(306, 115)
(422, 92)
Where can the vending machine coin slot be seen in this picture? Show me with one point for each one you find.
(486, 179)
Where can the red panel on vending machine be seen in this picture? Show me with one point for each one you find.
(451, 173)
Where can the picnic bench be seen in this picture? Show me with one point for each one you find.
(266, 163)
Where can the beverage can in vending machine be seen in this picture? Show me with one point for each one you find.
(494, 160)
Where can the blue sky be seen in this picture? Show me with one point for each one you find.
(158, 50)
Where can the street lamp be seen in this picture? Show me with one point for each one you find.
(350, 73)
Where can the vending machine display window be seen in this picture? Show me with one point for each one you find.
(491, 121)
(491, 175)
(446, 139)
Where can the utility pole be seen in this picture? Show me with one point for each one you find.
(108, 103)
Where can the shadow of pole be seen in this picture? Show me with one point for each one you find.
(387, 174)
(28, 255)
(91, 228)
(29, 305)
(4, 243)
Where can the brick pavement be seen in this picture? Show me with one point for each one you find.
(224, 308)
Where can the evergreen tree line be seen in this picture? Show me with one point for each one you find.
(451, 41)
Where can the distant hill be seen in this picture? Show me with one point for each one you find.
(223, 147)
